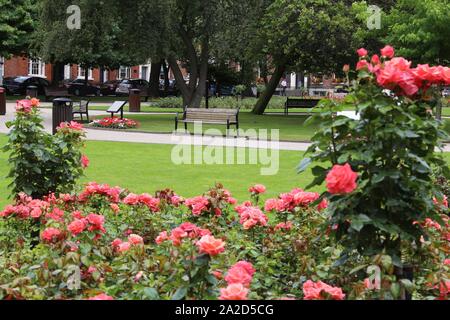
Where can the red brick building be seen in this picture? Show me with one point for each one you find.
(24, 66)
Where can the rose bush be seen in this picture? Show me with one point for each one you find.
(105, 242)
(41, 163)
(381, 180)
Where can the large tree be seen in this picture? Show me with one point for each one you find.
(420, 29)
(16, 26)
(309, 35)
(94, 44)
(187, 33)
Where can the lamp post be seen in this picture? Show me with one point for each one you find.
(207, 94)
(1, 73)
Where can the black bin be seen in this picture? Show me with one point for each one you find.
(62, 111)
(32, 92)
(2, 101)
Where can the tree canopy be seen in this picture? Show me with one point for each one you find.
(16, 26)
(310, 35)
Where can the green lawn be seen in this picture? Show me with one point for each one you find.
(147, 168)
(291, 128)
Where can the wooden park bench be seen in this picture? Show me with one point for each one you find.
(117, 107)
(82, 108)
(299, 103)
(226, 117)
(51, 93)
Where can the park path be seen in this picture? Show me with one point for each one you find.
(157, 138)
(163, 138)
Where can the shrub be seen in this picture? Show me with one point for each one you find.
(105, 242)
(390, 150)
(41, 163)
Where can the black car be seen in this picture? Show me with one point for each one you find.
(109, 88)
(18, 85)
(78, 87)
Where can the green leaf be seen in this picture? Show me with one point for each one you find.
(304, 164)
(151, 293)
(180, 293)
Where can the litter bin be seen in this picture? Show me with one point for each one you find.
(2, 101)
(135, 100)
(62, 111)
(32, 92)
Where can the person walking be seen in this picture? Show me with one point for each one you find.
(283, 87)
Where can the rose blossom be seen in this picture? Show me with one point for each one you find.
(242, 272)
(84, 161)
(135, 239)
(162, 237)
(257, 189)
(315, 290)
(114, 207)
(77, 226)
(341, 179)
(210, 245)
(388, 52)
(51, 234)
(235, 291)
(362, 52)
(123, 247)
(101, 296)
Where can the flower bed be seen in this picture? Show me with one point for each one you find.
(107, 243)
(115, 123)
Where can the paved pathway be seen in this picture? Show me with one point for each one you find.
(162, 138)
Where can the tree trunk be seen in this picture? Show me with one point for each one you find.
(271, 87)
(154, 79)
(200, 89)
(186, 93)
(166, 76)
(86, 80)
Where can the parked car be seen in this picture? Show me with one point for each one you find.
(225, 90)
(124, 87)
(109, 88)
(171, 91)
(446, 92)
(18, 85)
(78, 87)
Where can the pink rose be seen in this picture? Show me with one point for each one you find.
(341, 179)
(388, 52)
(77, 226)
(162, 237)
(123, 247)
(346, 68)
(375, 59)
(135, 239)
(51, 235)
(84, 161)
(235, 291)
(101, 296)
(132, 199)
(114, 207)
(321, 291)
(116, 243)
(362, 64)
(323, 205)
(362, 52)
(210, 245)
(257, 189)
